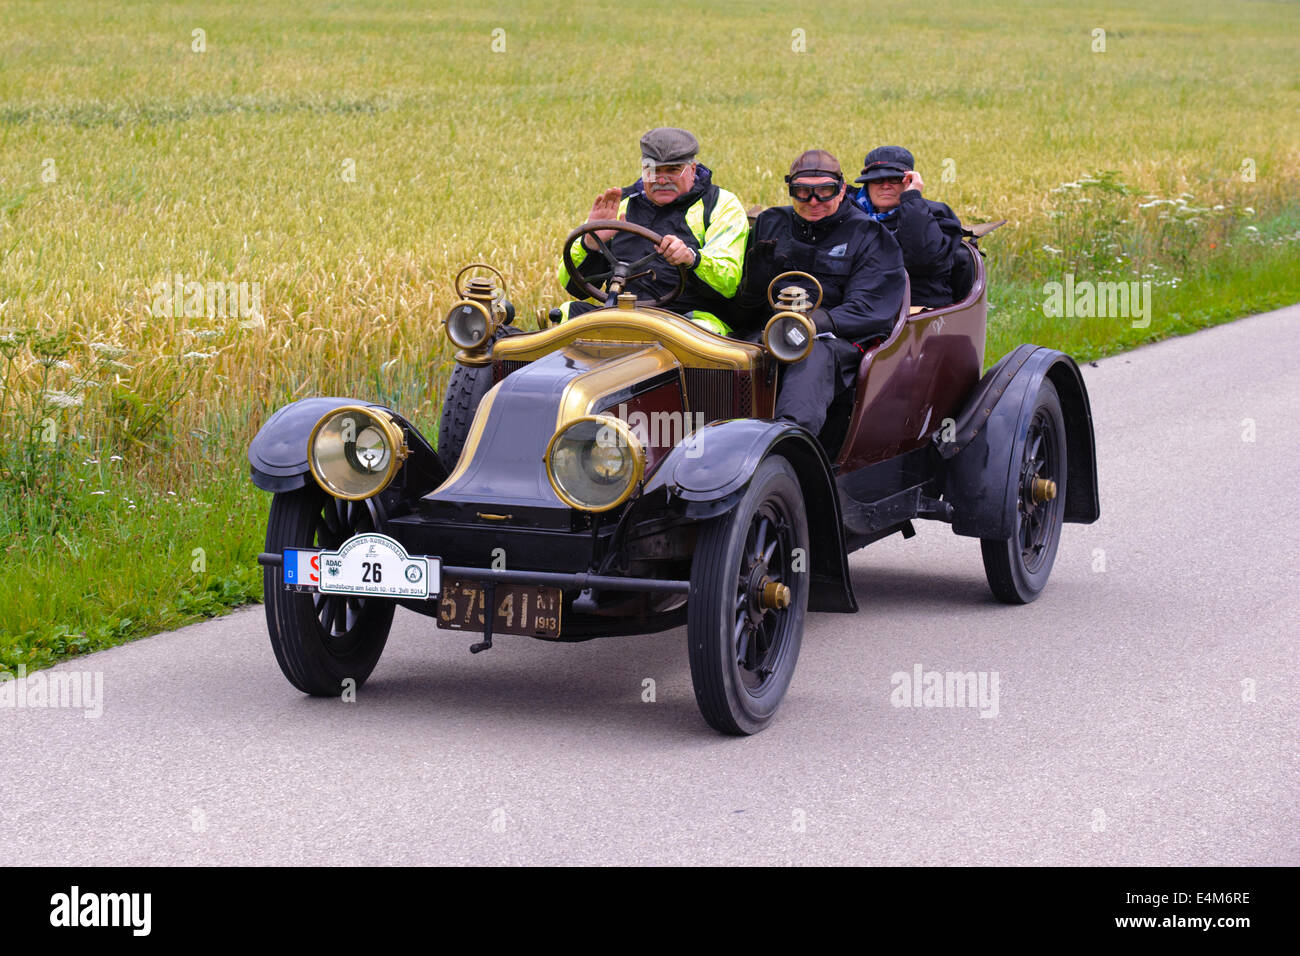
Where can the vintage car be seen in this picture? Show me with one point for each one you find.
(621, 474)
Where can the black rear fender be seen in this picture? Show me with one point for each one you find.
(985, 447)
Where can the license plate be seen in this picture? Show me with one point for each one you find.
(520, 608)
(370, 565)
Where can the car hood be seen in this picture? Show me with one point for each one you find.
(503, 462)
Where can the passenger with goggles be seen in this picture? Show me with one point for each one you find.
(858, 264)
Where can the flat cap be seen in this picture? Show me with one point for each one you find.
(668, 144)
(815, 162)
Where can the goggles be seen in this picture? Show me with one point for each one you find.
(823, 192)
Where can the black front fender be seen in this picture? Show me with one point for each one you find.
(277, 456)
(987, 443)
(710, 470)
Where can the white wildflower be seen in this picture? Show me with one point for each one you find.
(62, 399)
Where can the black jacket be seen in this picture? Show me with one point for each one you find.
(929, 233)
(856, 260)
(669, 219)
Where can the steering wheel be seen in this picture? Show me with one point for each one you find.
(620, 273)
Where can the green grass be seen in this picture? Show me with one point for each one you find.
(126, 158)
(136, 560)
(1256, 279)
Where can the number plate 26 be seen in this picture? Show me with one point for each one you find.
(375, 564)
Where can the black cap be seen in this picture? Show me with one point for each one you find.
(667, 144)
(885, 162)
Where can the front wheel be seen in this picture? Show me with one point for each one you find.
(321, 640)
(1017, 568)
(749, 592)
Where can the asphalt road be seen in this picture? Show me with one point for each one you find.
(1148, 706)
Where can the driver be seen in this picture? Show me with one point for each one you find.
(858, 264)
(704, 230)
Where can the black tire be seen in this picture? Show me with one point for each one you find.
(465, 389)
(1018, 568)
(742, 654)
(320, 641)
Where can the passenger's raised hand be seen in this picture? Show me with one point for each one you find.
(912, 180)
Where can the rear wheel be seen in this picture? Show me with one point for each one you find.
(749, 592)
(1017, 568)
(321, 640)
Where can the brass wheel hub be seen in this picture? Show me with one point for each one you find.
(1042, 490)
(775, 595)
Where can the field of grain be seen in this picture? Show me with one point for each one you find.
(344, 159)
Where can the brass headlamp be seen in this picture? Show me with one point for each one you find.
(355, 451)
